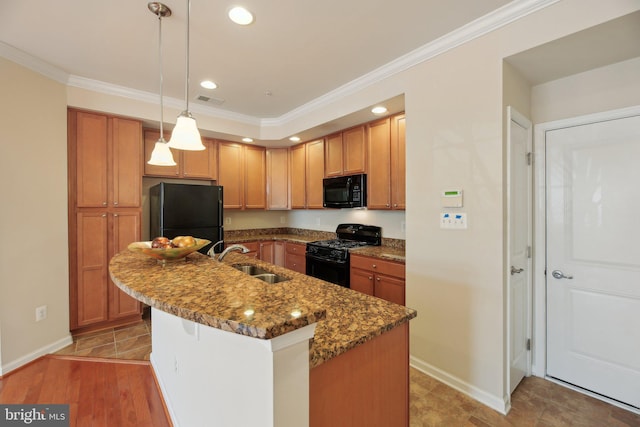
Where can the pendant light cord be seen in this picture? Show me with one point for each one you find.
(186, 89)
(161, 77)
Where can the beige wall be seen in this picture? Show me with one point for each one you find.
(33, 253)
(454, 107)
(606, 88)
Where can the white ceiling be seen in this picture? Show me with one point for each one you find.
(297, 50)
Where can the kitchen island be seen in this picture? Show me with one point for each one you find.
(355, 347)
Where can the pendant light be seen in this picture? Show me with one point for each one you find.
(185, 135)
(161, 154)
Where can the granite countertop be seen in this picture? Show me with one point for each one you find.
(216, 294)
(392, 253)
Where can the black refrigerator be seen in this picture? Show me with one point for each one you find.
(187, 210)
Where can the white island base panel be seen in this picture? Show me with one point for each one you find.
(210, 377)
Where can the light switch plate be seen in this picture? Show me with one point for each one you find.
(453, 220)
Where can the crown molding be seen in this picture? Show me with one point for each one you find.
(500, 17)
(481, 26)
(33, 63)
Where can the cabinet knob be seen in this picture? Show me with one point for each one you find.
(387, 205)
(370, 278)
(378, 279)
(115, 215)
(104, 203)
(395, 205)
(374, 266)
(104, 215)
(115, 203)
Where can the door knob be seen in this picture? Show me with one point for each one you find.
(560, 275)
(516, 270)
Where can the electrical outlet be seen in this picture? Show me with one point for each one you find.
(41, 313)
(228, 220)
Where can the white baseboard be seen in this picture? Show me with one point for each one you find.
(502, 405)
(49, 348)
(165, 395)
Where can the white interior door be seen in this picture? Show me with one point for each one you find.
(593, 257)
(519, 238)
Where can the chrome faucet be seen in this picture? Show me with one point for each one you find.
(224, 253)
(212, 250)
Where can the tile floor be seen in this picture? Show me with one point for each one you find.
(536, 402)
(125, 342)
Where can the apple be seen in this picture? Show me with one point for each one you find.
(184, 241)
(160, 242)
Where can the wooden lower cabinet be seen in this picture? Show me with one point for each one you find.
(366, 386)
(380, 278)
(294, 257)
(95, 301)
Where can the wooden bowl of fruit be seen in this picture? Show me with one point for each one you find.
(164, 249)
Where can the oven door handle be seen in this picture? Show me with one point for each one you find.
(324, 260)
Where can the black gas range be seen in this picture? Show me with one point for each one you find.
(329, 259)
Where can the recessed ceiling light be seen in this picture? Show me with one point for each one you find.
(247, 140)
(240, 16)
(208, 84)
(378, 110)
(294, 139)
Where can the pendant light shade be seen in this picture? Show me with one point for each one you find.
(185, 135)
(161, 154)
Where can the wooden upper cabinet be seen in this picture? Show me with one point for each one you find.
(386, 179)
(379, 176)
(297, 176)
(189, 164)
(230, 174)
(201, 164)
(314, 173)
(126, 191)
(277, 178)
(333, 160)
(354, 150)
(91, 141)
(108, 160)
(255, 181)
(398, 162)
(345, 152)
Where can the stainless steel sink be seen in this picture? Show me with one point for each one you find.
(260, 273)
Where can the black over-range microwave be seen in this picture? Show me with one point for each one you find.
(345, 191)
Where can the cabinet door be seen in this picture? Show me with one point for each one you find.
(379, 176)
(277, 178)
(266, 251)
(389, 288)
(361, 281)
(333, 160)
(92, 254)
(150, 138)
(200, 164)
(90, 142)
(255, 177)
(254, 249)
(278, 253)
(297, 178)
(126, 149)
(314, 173)
(230, 174)
(354, 150)
(398, 162)
(125, 229)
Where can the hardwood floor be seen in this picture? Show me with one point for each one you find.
(124, 392)
(99, 392)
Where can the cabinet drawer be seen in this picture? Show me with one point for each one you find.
(377, 265)
(295, 248)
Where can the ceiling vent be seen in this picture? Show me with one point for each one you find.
(210, 100)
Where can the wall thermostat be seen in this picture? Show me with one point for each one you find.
(451, 198)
